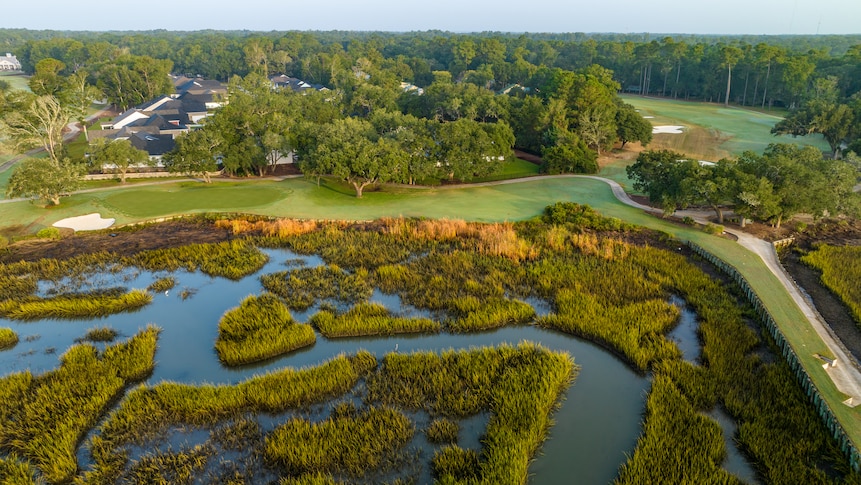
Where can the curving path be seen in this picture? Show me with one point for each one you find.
(845, 375)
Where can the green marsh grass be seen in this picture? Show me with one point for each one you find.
(443, 431)
(318, 478)
(162, 284)
(840, 268)
(16, 472)
(8, 338)
(453, 464)
(74, 306)
(346, 444)
(355, 248)
(149, 411)
(170, 467)
(45, 417)
(261, 327)
(474, 314)
(100, 334)
(232, 259)
(369, 319)
(303, 287)
(520, 386)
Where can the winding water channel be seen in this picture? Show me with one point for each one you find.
(596, 426)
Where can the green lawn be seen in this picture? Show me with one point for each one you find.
(735, 129)
(17, 80)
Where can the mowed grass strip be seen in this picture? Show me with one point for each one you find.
(369, 319)
(43, 418)
(261, 327)
(74, 306)
(187, 197)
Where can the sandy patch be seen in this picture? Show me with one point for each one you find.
(89, 222)
(671, 129)
(648, 117)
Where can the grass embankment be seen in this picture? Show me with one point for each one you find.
(302, 288)
(348, 443)
(8, 338)
(261, 327)
(97, 304)
(369, 319)
(520, 386)
(43, 418)
(841, 273)
(150, 411)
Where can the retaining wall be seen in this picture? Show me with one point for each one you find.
(791, 357)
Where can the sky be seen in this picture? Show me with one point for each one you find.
(625, 16)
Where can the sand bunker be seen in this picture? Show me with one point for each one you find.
(648, 117)
(89, 222)
(671, 129)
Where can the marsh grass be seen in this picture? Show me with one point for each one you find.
(369, 319)
(348, 443)
(100, 334)
(520, 386)
(148, 412)
(13, 287)
(96, 304)
(231, 259)
(318, 478)
(261, 327)
(840, 268)
(45, 417)
(281, 228)
(357, 247)
(303, 287)
(474, 314)
(162, 284)
(443, 431)
(16, 472)
(173, 467)
(453, 464)
(8, 338)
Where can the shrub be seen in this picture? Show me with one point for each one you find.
(48, 233)
(713, 228)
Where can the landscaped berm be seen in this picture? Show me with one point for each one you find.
(178, 402)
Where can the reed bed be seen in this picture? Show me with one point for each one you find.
(302, 288)
(100, 334)
(170, 467)
(96, 304)
(8, 338)
(148, 412)
(14, 287)
(45, 417)
(840, 268)
(475, 314)
(231, 259)
(318, 478)
(162, 284)
(356, 247)
(281, 228)
(369, 319)
(635, 330)
(261, 327)
(348, 443)
(520, 386)
(15, 472)
(453, 464)
(443, 431)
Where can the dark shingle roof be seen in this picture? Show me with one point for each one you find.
(153, 144)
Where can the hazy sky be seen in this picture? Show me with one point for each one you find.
(656, 16)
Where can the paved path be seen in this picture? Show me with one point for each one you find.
(845, 375)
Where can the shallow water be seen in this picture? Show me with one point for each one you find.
(596, 425)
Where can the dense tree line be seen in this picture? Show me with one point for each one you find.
(772, 187)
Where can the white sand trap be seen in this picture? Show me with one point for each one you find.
(648, 117)
(89, 222)
(671, 129)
